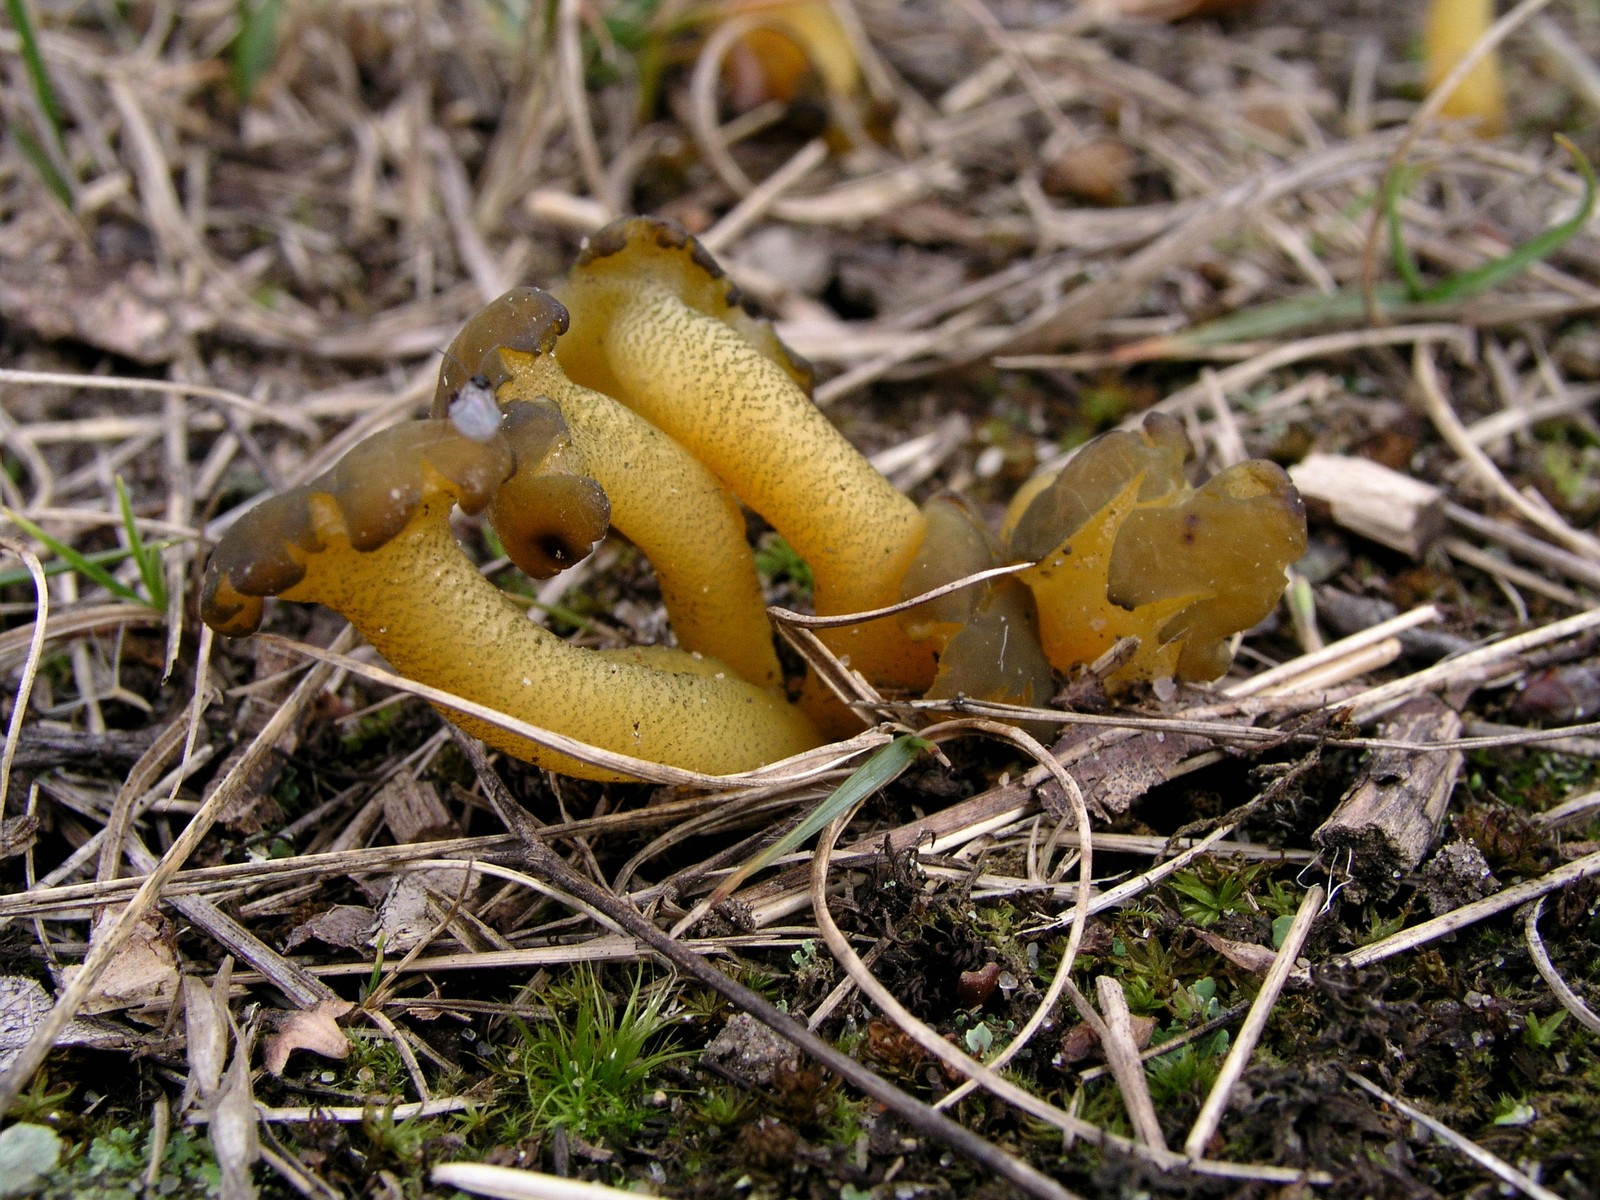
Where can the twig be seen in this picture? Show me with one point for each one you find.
(1507, 574)
(1492, 1163)
(1568, 59)
(349, 1114)
(1177, 1042)
(1373, 702)
(1286, 677)
(303, 989)
(1470, 914)
(1122, 1053)
(1525, 545)
(550, 867)
(1254, 1024)
(284, 415)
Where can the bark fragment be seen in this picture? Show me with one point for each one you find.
(1392, 815)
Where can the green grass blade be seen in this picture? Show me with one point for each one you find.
(147, 558)
(885, 766)
(1301, 313)
(1398, 183)
(38, 76)
(1283, 317)
(33, 150)
(78, 562)
(1495, 272)
(256, 45)
(60, 567)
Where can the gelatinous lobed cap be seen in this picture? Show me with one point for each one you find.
(1227, 543)
(987, 633)
(524, 318)
(547, 514)
(1092, 479)
(1125, 547)
(376, 487)
(648, 254)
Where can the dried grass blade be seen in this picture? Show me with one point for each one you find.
(883, 768)
(1470, 914)
(1570, 1000)
(1205, 1125)
(510, 1183)
(30, 668)
(1437, 404)
(1490, 1162)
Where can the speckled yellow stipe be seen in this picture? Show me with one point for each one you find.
(419, 600)
(662, 499)
(655, 324)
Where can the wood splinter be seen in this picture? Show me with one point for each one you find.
(1369, 498)
(1391, 817)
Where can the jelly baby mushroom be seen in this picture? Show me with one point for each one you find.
(371, 539)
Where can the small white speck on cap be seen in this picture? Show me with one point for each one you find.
(474, 413)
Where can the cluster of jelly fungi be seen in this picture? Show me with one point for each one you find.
(646, 398)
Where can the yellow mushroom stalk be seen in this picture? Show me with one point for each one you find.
(1453, 28)
(371, 539)
(790, 40)
(662, 499)
(657, 324)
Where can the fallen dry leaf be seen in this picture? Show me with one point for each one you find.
(233, 1131)
(403, 917)
(412, 907)
(1253, 958)
(1115, 776)
(314, 1029)
(205, 1015)
(142, 975)
(348, 926)
(23, 1006)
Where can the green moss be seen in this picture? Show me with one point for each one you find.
(112, 1166)
(586, 1070)
(777, 562)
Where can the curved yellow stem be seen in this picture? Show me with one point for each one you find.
(371, 539)
(656, 324)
